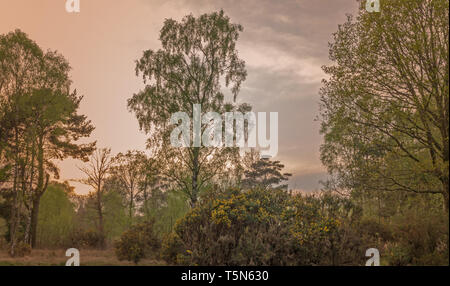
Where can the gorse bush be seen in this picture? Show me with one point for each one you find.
(327, 229)
(266, 227)
(137, 243)
(173, 250)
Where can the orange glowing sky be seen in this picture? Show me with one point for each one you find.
(284, 44)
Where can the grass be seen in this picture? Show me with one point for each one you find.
(45, 257)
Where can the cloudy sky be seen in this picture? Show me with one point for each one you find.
(284, 44)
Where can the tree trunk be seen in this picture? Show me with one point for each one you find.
(131, 208)
(147, 212)
(195, 172)
(43, 179)
(13, 224)
(14, 208)
(101, 229)
(34, 220)
(27, 237)
(445, 194)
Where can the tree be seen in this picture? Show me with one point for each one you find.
(56, 219)
(115, 214)
(385, 107)
(57, 126)
(266, 174)
(97, 171)
(5, 133)
(129, 171)
(152, 183)
(196, 55)
(42, 113)
(19, 61)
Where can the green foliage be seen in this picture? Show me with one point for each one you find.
(115, 218)
(328, 229)
(267, 227)
(137, 243)
(115, 215)
(384, 113)
(165, 208)
(385, 124)
(56, 218)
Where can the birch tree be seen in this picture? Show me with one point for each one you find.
(197, 56)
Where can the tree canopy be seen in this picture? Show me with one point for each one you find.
(385, 106)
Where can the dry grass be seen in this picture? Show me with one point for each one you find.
(44, 257)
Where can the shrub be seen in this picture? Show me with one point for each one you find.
(254, 228)
(421, 240)
(327, 228)
(137, 243)
(238, 228)
(377, 232)
(267, 227)
(89, 238)
(173, 250)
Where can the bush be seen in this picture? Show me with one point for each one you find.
(89, 238)
(421, 240)
(137, 243)
(237, 228)
(328, 229)
(266, 227)
(173, 251)
(271, 227)
(378, 233)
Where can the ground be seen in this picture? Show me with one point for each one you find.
(45, 257)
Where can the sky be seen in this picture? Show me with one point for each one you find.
(284, 45)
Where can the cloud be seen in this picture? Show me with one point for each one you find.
(299, 27)
(285, 44)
